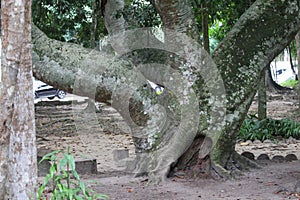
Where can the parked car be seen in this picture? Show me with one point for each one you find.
(42, 90)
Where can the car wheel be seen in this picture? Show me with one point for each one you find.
(50, 98)
(36, 96)
(61, 94)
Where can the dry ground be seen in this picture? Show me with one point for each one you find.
(100, 135)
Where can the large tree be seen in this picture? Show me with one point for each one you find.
(197, 118)
(18, 171)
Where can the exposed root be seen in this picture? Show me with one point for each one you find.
(243, 163)
(219, 172)
(159, 168)
(234, 167)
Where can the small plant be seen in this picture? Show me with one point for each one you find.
(253, 129)
(66, 184)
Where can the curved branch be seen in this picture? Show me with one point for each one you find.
(103, 77)
(240, 58)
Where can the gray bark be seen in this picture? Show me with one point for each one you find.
(18, 170)
(256, 39)
(258, 36)
(298, 59)
(177, 15)
(262, 98)
(157, 133)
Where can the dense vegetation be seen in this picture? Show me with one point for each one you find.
(268, 129)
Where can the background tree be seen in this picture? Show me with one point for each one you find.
(216, 19)
(298, 59)
(18, 171)
(262, 97)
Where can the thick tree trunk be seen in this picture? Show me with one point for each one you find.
(177, 15)
(158, 129)
(166, 131)
(241, 58)
(18, 170)
(240, 62)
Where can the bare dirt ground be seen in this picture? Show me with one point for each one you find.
(105, 137)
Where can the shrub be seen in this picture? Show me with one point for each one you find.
(65, 181)
(253, 129)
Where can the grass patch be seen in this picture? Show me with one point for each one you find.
(291, 83)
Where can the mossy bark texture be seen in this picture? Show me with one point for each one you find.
(258, 36)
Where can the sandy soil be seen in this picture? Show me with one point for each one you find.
(104, 136)
(269, 183)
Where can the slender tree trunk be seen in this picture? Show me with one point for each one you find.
(262, 98)
(94, 24)
(205, 26)
(291, 61)
(298, 59)
(18, 170)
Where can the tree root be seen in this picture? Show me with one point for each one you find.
(219, 172)
(158, 170)
(244, 163)
(233, 168)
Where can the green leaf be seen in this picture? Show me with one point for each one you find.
(52, 170)
(78, 197)
(49, 156)
(64, 161)
(40, 191)
(100, 196)
(82, 187)
(70, 194)
(75, 174)
(72, 162)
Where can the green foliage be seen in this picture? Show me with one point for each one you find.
(290, 83)
(253, 129)
(222, 16)
(68, 20)
(139, 14)
(81, 22)
(65, 181)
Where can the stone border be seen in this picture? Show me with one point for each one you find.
(265, 157)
